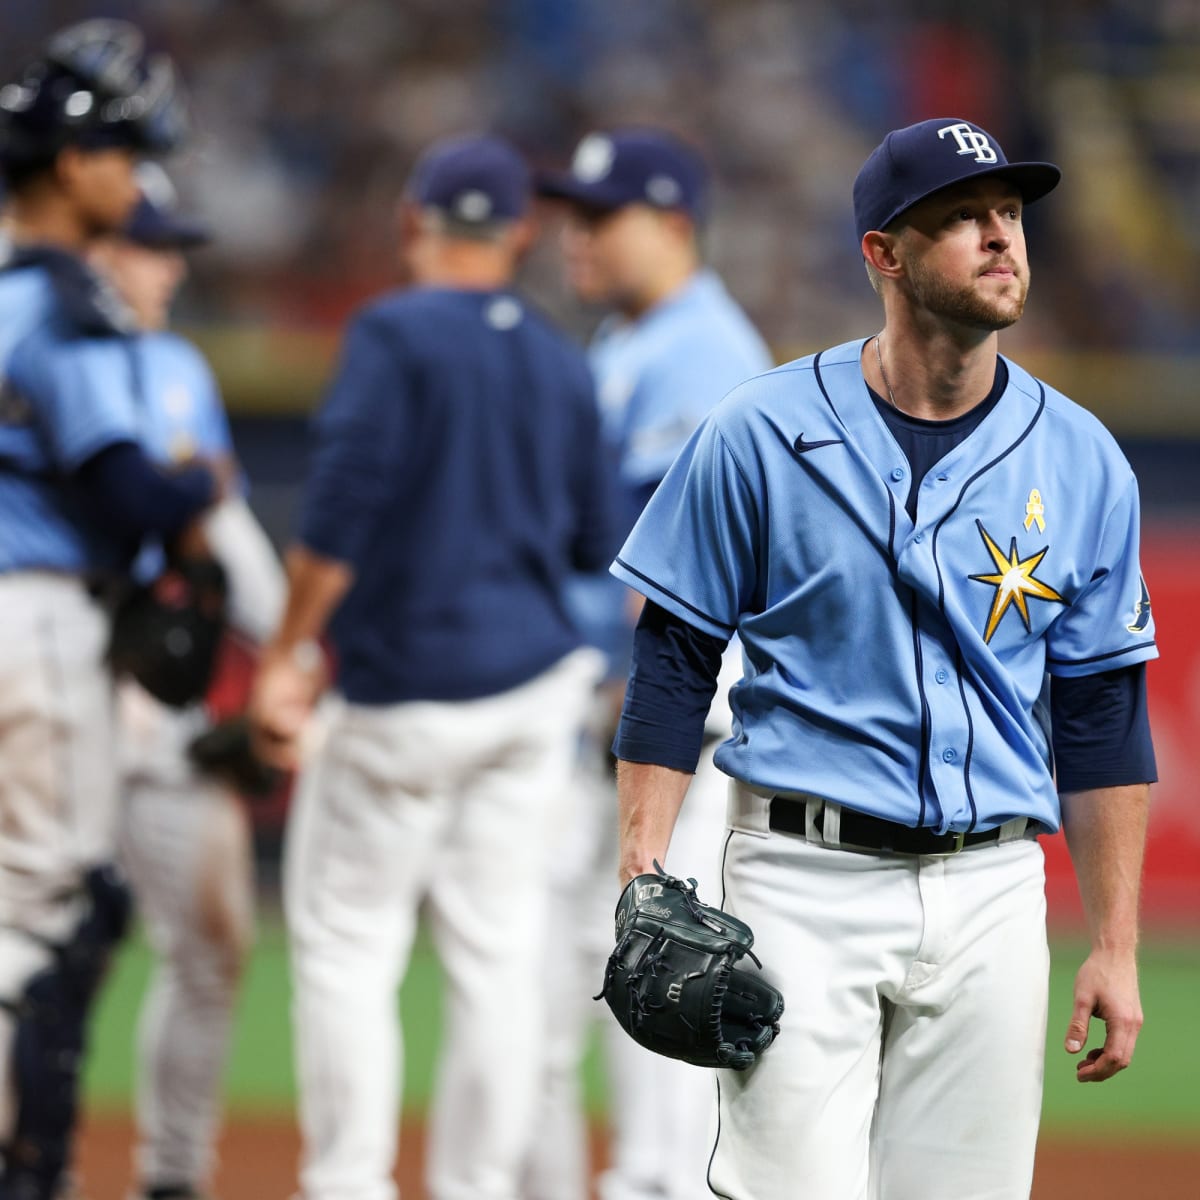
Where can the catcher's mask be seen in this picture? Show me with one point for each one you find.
(94, 86)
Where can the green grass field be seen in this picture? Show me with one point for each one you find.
(1156, 1097)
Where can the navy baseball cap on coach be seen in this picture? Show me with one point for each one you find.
(631, 166)
(913, 163)
(476, 180)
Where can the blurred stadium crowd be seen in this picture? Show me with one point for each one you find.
(310, 112)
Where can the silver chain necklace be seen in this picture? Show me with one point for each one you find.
(886, 382)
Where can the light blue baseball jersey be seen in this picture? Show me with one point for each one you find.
(658, 377)
(182, 416)
(67, 393)
(894, 667)
(656, 380)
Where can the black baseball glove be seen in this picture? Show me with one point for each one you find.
(166, 633)
(674, 983)
(225, 751)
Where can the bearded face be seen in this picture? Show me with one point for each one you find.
(985, 301)
(964, 258)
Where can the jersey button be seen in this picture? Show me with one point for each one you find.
(941, 676)
(949, 755)
(897, 473)
(920, 537)
(943, 477)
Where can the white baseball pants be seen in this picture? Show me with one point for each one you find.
(449, 804)
(185, 844)
(57, 773)
(909, 1065)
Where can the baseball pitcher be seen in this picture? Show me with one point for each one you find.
(931, 560)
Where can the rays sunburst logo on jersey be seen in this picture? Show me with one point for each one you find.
(1014, 581)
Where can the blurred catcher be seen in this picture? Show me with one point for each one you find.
(77, 495)
(185, 833)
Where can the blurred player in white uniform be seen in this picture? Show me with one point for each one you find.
(457, 478)
(674, 344)
(185, 835)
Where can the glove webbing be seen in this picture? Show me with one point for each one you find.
(639, 1006)
(650, 959)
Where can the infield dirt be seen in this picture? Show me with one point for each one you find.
(258, 1162)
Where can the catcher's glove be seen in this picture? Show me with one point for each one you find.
(225, 750)
(673, 984)
(166, 633)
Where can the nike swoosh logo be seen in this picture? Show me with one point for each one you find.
(802, 447)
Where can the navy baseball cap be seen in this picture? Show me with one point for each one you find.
(476, 180)
(631, 166)
(156, 221)
(914, 162)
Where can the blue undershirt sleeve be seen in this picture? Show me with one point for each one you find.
(134, 498)
(1101, 729)
(672, 681)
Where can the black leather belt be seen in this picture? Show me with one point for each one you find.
(873, 833)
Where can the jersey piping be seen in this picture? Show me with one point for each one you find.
(925, 785)
(677, 599)
(1101, 657)
(962, 695)
(1037, 416)
(958, 658)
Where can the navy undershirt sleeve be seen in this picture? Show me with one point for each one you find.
(672, 681)
(134, 498)
(1101, 730)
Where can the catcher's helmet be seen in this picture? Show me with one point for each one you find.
(93, 85)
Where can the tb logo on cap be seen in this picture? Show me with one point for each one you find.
(970, 141)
